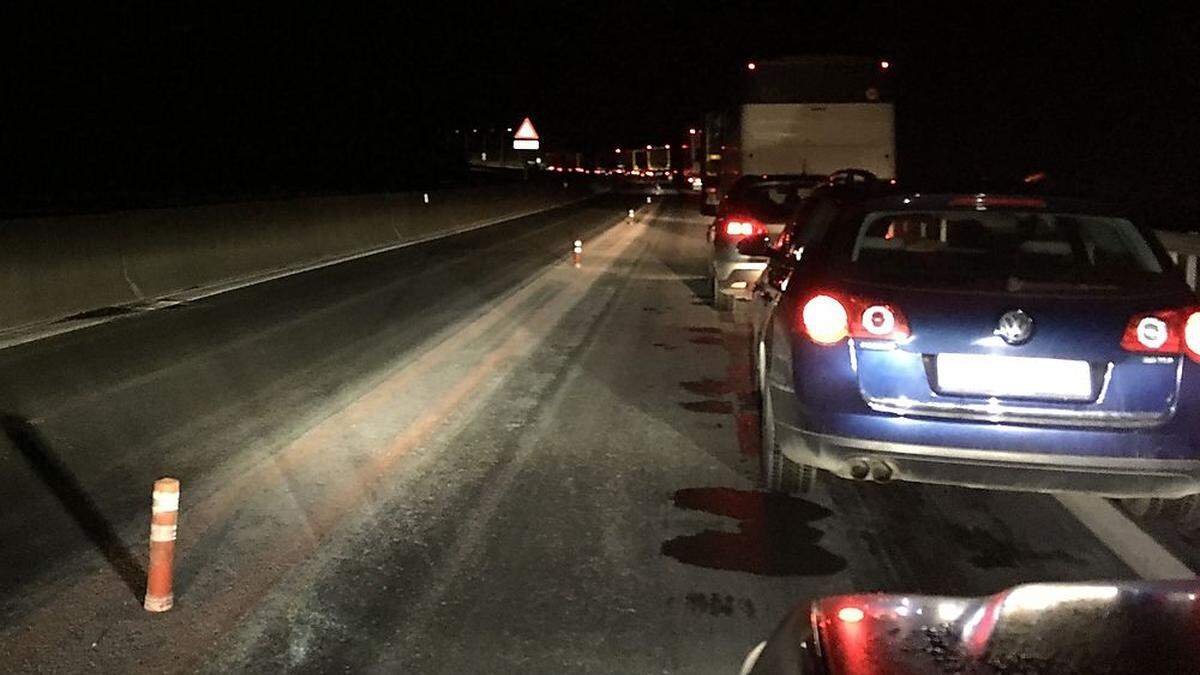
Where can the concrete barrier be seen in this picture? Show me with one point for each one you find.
(53, 268)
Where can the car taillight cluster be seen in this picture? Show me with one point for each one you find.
(827, 318)
(1165, 331)
(737, 227)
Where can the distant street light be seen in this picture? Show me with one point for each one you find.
(751, 66)
(691, 132)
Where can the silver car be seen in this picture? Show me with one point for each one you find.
(755, 206)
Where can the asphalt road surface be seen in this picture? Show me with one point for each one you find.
(465, 456)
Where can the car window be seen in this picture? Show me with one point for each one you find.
(1018, 247)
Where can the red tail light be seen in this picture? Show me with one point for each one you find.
(1165, 332)
(829, 317)
(825, 320)
(736, 227)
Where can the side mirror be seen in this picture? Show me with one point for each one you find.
(757, 247)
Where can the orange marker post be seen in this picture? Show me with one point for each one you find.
(163, 521)
(577, 253)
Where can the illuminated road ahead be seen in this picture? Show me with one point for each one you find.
(467, 456)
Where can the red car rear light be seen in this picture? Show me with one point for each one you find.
(736, 227)
(824, 319)
(879, 321)
(829, 317)
(1164, 332)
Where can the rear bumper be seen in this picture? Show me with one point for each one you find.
(851, 457)
(736, 275)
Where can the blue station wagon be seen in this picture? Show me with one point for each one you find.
(983, 340)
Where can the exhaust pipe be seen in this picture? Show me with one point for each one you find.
(881, 471)
(859, 469)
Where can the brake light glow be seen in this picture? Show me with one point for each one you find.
(1191, 334)
(825, 320)
(1164, 332)
(739, 228)
(850, 614)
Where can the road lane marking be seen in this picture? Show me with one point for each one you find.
(1129, 542)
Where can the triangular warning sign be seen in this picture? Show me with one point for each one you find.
(526, 131)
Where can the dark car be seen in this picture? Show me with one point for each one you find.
(983, 340)
(1050, 628)
(756, 206)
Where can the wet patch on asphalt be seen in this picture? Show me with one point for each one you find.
(749, 434)
(709, 406)
(707, 387)
(717, 604)
(773, 536)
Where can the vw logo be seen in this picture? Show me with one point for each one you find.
(1015, 327)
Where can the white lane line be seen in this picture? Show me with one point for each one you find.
(32, 333)
(1123, 537)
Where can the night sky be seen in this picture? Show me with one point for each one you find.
(214, 99)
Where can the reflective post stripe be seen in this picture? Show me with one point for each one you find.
(164, 517)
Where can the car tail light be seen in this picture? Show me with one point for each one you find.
(1165, 332)
(1191, 335)
(825, 320)
(860, 318)
(736, 227)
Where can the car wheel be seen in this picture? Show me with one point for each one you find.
(720, 301)
(1183, 512)
(780, 474)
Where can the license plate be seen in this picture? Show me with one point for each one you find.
(1014, 376)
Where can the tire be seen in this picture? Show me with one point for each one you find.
(780, 474)
(1183, 512)
(721, 302)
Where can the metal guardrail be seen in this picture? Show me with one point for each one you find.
(1185, 251)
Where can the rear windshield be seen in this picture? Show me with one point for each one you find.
(771, 201)
(1020, 250)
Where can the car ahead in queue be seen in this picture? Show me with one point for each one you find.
(981, 340)
(1046, 628)
(756, 206)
